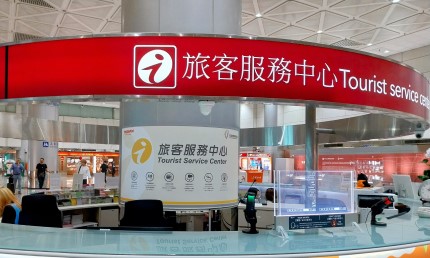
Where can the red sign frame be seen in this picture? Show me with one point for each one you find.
(215, 67)
(2, 73)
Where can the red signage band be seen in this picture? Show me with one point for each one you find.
(213, 67)
(3, 78)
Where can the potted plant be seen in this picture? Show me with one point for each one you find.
(426, 174)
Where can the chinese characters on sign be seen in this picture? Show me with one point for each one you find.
(281, 70)
(192, 150)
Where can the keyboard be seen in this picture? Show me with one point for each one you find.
(423, 212)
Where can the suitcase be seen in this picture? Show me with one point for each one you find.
(10, 184)
(11, 187)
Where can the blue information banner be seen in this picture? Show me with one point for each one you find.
(318, 221)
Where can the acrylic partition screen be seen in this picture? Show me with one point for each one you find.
(403, 187)
(314, 192)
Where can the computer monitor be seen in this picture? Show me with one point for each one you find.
(403, 186)
(129, 228)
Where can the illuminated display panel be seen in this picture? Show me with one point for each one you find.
(231, 67)
(314, 192)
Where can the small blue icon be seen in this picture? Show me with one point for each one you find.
(45, 144)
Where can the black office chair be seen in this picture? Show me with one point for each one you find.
(40, 210)
(9, 214)
(143, 213)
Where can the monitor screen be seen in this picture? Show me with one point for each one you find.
(369, 201)
(403, 186)
(129, 228)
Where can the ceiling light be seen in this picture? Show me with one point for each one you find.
(386, 51)
(258, 15)
(206, 106)
(369, 44)
(395, 1)
(320, 31)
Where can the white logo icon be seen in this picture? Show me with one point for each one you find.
(155, 66)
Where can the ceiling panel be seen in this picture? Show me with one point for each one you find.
(67, 32)
(87, 4)
(47, 18)
(4, 25)
(252, 28)
(271, 26)
(111, 27)
(90, 22)
(293, 7)
(356, 8)
(345, 23)
(327, 39)
(42, 30)
(100, 12)
(22, 27)
(293, 32)
(383, 35)
(267, 5)
(69, 21)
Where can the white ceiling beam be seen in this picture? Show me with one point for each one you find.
(12, 19)
(259, 21)
(41, 34)
(60, 17)
(81, 23)
(110, 15)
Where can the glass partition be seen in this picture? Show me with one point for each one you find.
(304, 193)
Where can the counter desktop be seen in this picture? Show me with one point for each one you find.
(406, 231)
(359, 205)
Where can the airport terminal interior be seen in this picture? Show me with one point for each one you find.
(364, 164)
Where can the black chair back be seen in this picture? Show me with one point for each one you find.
(143, 213)
(40, 210)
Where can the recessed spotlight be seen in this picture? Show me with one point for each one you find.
(395, 1)
(369, 44)
(258, 15)
(386, 51)
(319, 31)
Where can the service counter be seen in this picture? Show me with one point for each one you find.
(265, 216)
(408, 232)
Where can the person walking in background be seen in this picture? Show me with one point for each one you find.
(104, 168)
(84, 170)
(17, 169)
(41, 170)
(9, 206)
(111, 167)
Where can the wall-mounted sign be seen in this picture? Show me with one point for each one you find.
(231, 67)
(185, 167)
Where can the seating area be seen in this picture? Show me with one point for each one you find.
(148, 214)
(40, 210)
(143, 213)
